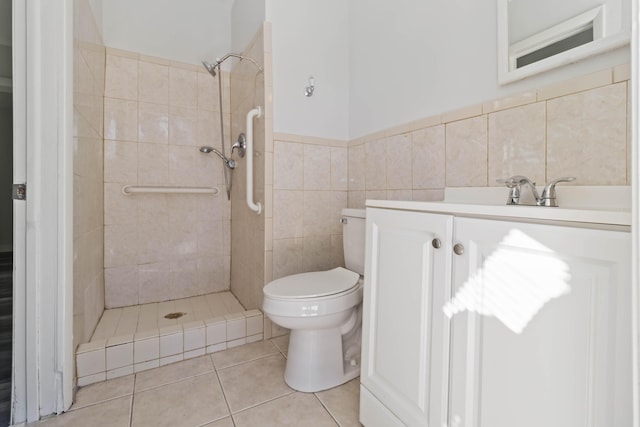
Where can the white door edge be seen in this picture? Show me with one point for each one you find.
(19, 375)
(43, 129)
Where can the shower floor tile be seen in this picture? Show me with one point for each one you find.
(145, 317)
(138, 338)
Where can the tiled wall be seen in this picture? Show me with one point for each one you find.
(159, 247)
(577, 128)
(88, 74)
(249, 246)
(309, 191)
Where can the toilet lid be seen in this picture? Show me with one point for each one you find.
(312, 285)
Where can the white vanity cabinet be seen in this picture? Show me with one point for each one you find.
(405, 337)
(540, 333)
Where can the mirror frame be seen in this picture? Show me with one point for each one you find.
(611, 39)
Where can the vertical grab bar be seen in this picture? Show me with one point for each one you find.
(256, 207)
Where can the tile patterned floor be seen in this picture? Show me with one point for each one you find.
(239, 387)
(144, 317)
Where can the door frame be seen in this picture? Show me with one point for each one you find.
(43, 135)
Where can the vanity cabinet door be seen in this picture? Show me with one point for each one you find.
(405, 336)
(541, 330)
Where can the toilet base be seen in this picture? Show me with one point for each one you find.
(315, 360)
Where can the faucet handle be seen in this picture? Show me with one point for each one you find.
(513, 185)
(516, 180)
(548, 197)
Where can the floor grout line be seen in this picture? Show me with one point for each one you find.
(226, 401)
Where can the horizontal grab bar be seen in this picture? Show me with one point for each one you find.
(128, 190)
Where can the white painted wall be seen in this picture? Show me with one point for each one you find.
(187, 30)
(410, 59)
(310, 38)
(247, 17)
(376, 63)
(96, 8)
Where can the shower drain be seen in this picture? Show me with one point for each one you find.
(174, 315)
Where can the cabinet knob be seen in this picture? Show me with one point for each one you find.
(458, 249)
(436, 243)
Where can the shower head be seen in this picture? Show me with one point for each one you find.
(231, 164)
(211, 68)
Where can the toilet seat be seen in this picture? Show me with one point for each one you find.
(317, 284)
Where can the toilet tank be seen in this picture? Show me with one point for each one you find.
(353, 237)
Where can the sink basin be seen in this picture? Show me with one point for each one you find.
(602, 205)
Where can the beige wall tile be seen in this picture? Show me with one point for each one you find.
(121, 162)
(586, 136)
(153, 123)
(400, 194)
(339, 172)
(339, 201)
(356, 199)
(183, 87)
(118, 208)
(509, 102)
(89, 57)
(182, 126)
(121, 78)
(210, 236)
(355, 168)
(567, 87)
(287, 257)
(182, 165)
(317, 213)
(153, 242)
(399, 166)
(621, 73)
(428, 157)
(154, 282)
(208, 129)
(462, 113)
(288, 165)
(517, 143)
(376, 195)
(317, 167)
(375, 165)
(466, 153)
(207, 92)
(316, 253)
(120, 245)
(121, 284)
(428, 195)
(153, 84)
(288, 209)
(210, 171)
(153, 164)
(120, 119)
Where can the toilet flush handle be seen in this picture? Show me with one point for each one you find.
(343, 220)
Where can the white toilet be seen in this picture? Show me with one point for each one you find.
(323, 310)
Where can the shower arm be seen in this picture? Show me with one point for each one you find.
(219, 61)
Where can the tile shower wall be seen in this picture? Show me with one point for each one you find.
(88, 84)
(249, 247)
(156, 246)
(577, 128)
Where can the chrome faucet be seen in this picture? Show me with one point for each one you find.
(548, 197)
